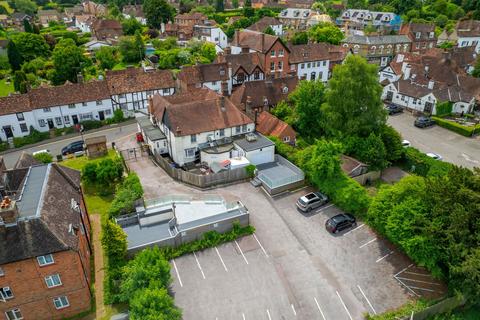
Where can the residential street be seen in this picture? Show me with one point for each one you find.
(451, 146)
(56, 147)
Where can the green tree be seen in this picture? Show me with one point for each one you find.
(354, 106)
(357, 4)
(67, 60)
(106, 57)
(269, 30)
(132, 48)
(149, 269)
(131, 26)
(27, 27)
(248, 11)
(148, 304)
(89, 172)
(44, 157)
(27, 6)
(370, 150)
(30, 46)
(300, 38)
(219, 5)
(207, 50)
(235, 4)
(475, 72)
(114, 243)
(14, 57)
(392, 142)
(4, 64)
(325, 32)
(307, 99)
(20, 82)
(284, 112)
(157, 11)
(109, 171)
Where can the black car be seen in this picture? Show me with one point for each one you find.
(311, 201)
(423, 122)
(393, 108)
(340, 222)
(72, 148)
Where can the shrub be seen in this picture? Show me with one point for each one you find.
(118, 116)
(34, 137)
(421, 164)
(456, 127)
(125, 196)
(44, 157)
(250, 170)
(109, 171)
(444, 108)
(3, 146)
(91, 124)
(89, 172)
(153, 304)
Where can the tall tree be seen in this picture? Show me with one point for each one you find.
(106, 57)
(354, 105)
(157, 11)
(20, 82)
(27, 6)
(13, 54)
(30, 46)
(325, 32)
(132, 48)
(130, 26)
(67, 61)
(307, 99)
(219, 5)
(27, 27)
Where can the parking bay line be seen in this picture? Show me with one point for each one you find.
(178, 274)
(419, 281)
(344, 306)
(319, 309)
(244, 258)
(243, 316)
(263, 249)
(223, 263)
(268, 314)
(323, 208)
(380, 259)
(360, 226)
(198, 264)
(366, 244)
(293, 309)
(368, 301)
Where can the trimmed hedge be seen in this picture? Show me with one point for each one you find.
(421, 164)
(34, 137)
(456, 127)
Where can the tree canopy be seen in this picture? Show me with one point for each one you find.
(131, 26)
(157, 11)
(132, 48)
(30, 46)
(67, 59)
(325, 32)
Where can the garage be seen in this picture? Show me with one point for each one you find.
(256, 148)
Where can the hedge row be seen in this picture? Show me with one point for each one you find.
(126, 194)
(456, 127)
(419, 163)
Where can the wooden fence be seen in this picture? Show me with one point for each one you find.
(443, 306)
(201, 181)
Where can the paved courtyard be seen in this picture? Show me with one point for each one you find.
(291, 268)
(451, 146)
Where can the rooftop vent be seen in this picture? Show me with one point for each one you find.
(251, 137)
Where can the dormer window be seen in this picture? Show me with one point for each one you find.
(431, 35)
(417, 35)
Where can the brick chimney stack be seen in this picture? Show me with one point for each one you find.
(8, 211)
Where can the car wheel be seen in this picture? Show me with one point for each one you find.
(309, 209)
(354, 225)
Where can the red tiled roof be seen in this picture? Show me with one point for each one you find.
(257, 41)
(204, 73)
(136, 80)
(309, 52)
(269, 125)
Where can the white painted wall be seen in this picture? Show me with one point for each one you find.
(137, 100)
(409, 102)
(320, 68)
(468, 42)
(260, 156)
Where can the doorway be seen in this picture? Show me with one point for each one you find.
(75, 119)
(101, 115)
(8, 131)
(50, 124)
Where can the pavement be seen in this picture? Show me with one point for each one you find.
(55, 147)
(451, 146)
(291, 268)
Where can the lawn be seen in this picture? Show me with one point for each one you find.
(97, 199)
(5, 89)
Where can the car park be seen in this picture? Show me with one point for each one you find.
(340, 222)
(423, 122)
(73, 147)
(435, 156)
(393, 109)
(406, 143)
(311, 201)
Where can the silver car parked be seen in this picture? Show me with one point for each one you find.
(311, 201)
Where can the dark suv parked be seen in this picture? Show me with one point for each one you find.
(311, 201)
(393, 108)
(423, 122)
(72, 148)
(340, 222)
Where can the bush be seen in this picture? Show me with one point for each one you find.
(89, 172)
(3, 146)
(118, 116)
(456, 127)
(250, 170)
(444, 108)
(34, 137)
(125, 196)
(108, 171)
(421, 164)
(91, 124)
(44, 157)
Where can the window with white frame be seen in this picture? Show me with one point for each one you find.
(272, 53)
(2, 273)
(190, 153)
(84, 104)
(302, 66)
(6, 293)
(45, 260)
(53, 281)
(166, 91)
(149, 93)
(58, 120)
(308, 65)
(280, 53)
(136, 105)
(280, 65)
(108, 112)
(47, 109)
(222, 132)
(23, 127)
(286, 139)
(193, 138)
(66, 119)
(99, 102)
(14, 314)
(121, 96)
(61, 302)
(256, 75)
(417, 35)
(41, 122)
(71, 106)
(20, 116)
(324, 63)
(272, 66)
(237, 129)
(86, 116)
(244, 128)
(431, 35)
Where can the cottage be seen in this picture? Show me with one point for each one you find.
(47, 16)
(214, 76)
(209, 31)
(422, 36)
(134, 11)
(468, 33)
(107, 29)
(45, 233)
(243, 67)
(311, 61)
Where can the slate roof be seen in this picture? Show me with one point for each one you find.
(257, 41)
(49, 232)
(136, 80)
(196, 112)
(377, 40)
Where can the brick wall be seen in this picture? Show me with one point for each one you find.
(35, 299)
(268, 59)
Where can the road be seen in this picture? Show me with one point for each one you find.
(451, 146)
(55, 147)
